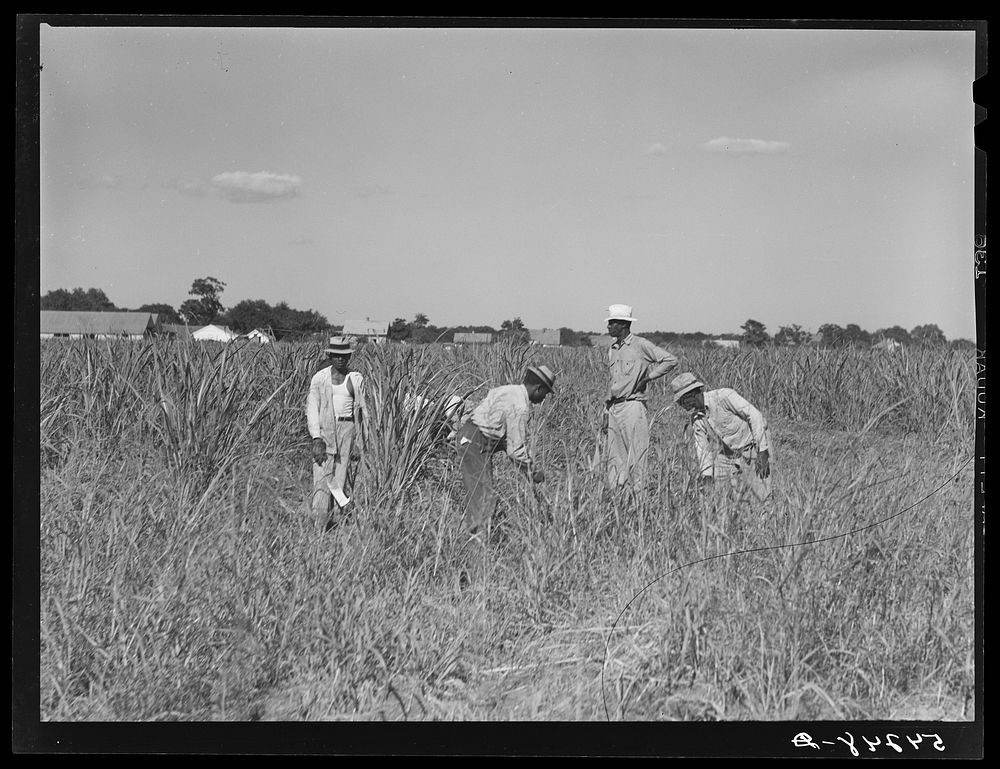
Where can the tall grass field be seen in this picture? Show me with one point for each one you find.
(183, 579)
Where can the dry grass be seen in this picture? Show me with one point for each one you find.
(181, 578)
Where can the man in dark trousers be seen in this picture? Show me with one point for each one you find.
(499, 422)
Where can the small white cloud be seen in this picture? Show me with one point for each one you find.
(656, 149)
(258, 187)
(745, 146)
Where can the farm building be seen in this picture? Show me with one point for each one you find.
(546, 337)
(178, 330)
(72, 324)
(214, 333)
(261, 337)
(463, 337)
(734, 343)
(367, 330)
(600, 340)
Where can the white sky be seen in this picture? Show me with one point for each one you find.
(704, 176)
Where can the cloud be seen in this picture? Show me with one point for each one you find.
(745, 146)
(656, 149)
(258, 187)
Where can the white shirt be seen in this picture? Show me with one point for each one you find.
(328, 401)
(503, 414)
(730, 419)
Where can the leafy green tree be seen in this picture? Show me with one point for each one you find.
(249, 314)
(420, 320)
(831, 334)
(91, 300)
(512, 325)
(515, 330)
(280, 320)
(897, 333)
(207, 307)
(855, 335)
(399, 330)
(571, 338)
(928, 334)
(791, 336)
(166, 313)
(754, 333)
(291, 322)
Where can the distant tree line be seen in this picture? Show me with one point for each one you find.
(205, 306)
(421, 331)
(831, 335)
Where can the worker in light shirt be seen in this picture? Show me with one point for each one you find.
(333, 411)
(498, 423)
(730, 435)
(634, 362)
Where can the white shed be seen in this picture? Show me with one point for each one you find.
(213, 333)
(261, 337)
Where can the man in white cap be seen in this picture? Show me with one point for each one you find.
(634, 363)
(730, 435)
(499, 422)
(333, 411)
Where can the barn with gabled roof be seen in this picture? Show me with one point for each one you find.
(80, 324)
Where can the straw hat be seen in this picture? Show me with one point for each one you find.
(338, 345)
(685, 383)
(544, 375)
(620, 312)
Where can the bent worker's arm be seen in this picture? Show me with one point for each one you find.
(752, 416)
(758, 430)
(517, 445)
(703, 449)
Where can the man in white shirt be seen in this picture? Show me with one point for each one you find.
(499, 422)
(730, 435)
(333, 409)
(633, 362)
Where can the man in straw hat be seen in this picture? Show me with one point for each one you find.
(333, 411)
(635, 362)
(730, 435)
(499, 422)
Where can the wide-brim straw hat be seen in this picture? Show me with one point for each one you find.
(685, 383)
(545, 376)
(619, 312)
(338, 345)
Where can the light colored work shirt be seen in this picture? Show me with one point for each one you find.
(629, 359)
(327, 402)
(731, 420)
(503, 415)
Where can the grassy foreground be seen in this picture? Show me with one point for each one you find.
(182, 578)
